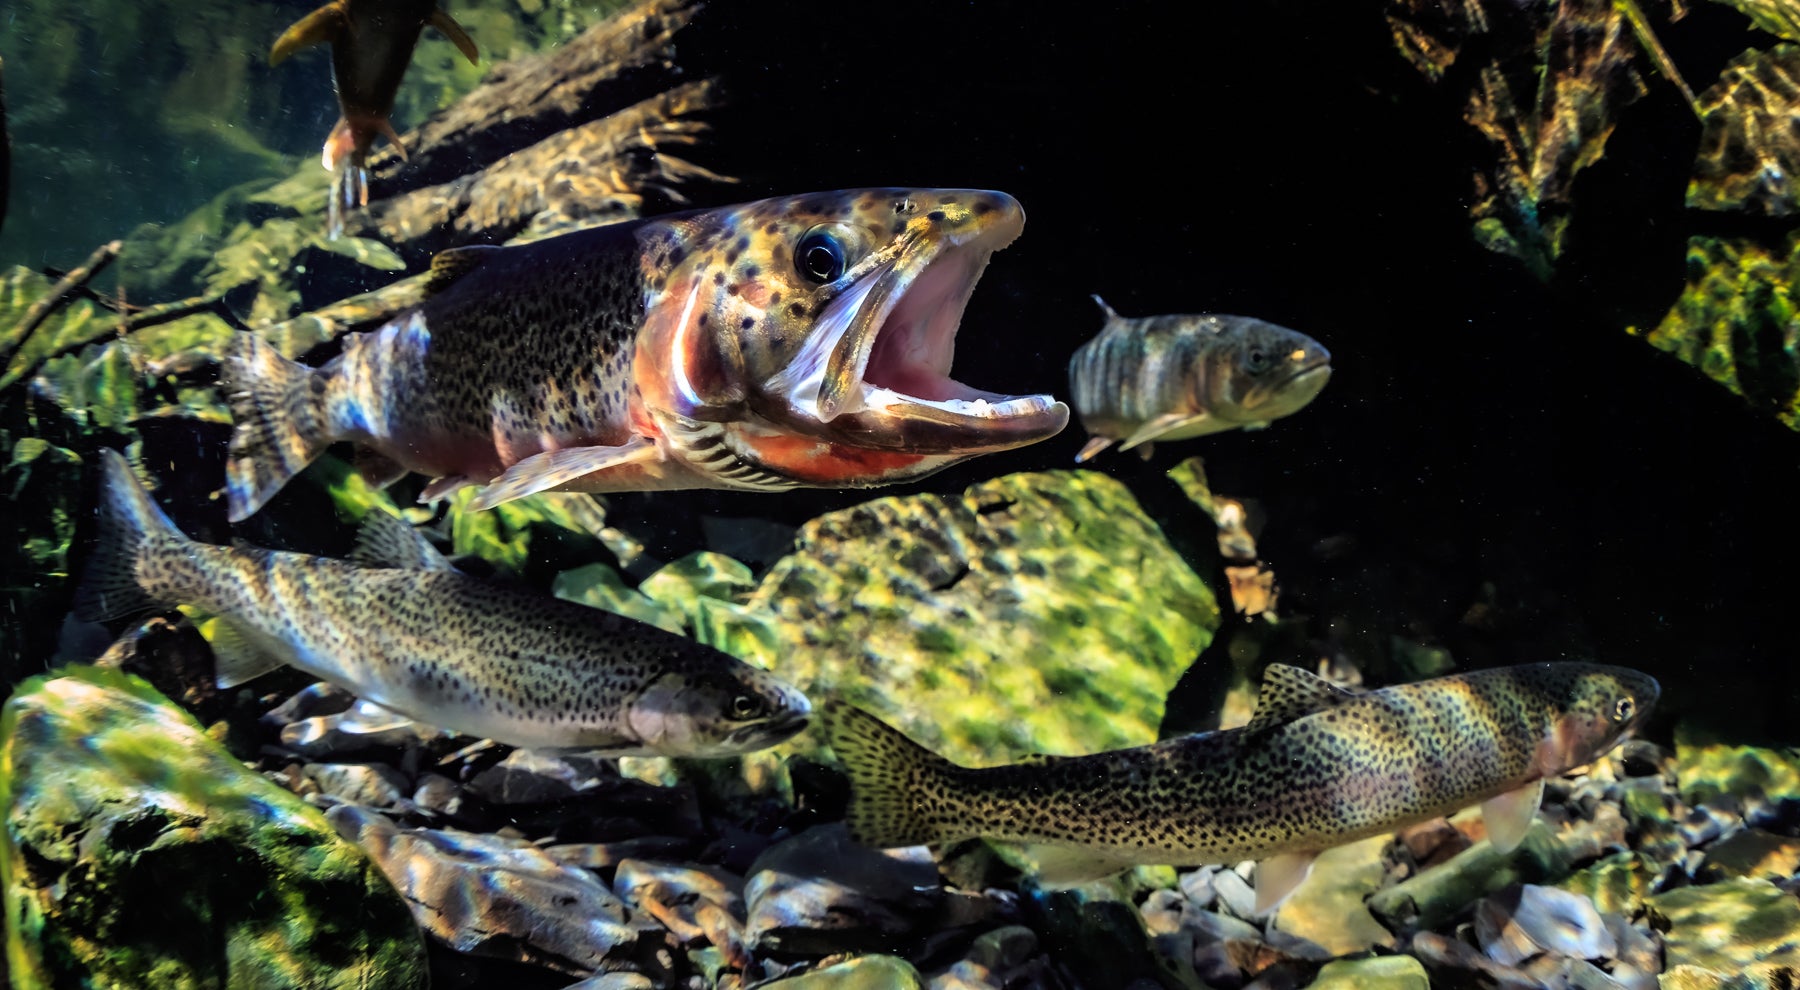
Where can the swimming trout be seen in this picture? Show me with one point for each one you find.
(397, 626)
(1316, 767)
(804, 341)
(1174, 377)
(372, 44)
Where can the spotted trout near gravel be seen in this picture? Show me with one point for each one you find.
(1180, 376)
(804, 341)
(399, 627)
(1317, 766)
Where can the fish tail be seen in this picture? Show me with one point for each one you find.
(281, 422)
(344, 159)
(895, 783)
(131, 527)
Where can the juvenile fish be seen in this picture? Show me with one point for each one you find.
(1316, 767)
(372, 44)
(397, 626)
(804, 341)
(1174, 377)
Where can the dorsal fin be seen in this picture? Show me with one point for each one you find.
(386, 540)
(1289, 693)
(1104, 308)
(451, 264)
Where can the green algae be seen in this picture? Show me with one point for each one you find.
(1740, 926)
(139, 853)
(1715, 773)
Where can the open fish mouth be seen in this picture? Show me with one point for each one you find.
(880, 364)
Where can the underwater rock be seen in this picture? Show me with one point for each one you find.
(1038, 612)
(1329, 909)
(493, 896)
(369, 784)
(862, 973)
(696, 904)
(138, 853)
(1516, 925)
(822, 892)
(1758, 781)
(1617, 884)
(1751, 853)
(529, 776)
(1743, 931)
(1750, 150)
(1734, 322)
(1375, 973)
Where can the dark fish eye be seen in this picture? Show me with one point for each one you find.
(819, 257)
(1623, 709)
(745, 706)
(1257, 359)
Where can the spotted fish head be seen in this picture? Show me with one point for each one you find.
(1592, 708)
(1261, 372)
(808, 339)
(716, 711)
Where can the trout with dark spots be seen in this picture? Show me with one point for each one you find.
(804, 341)
(1316, 767)
(1175, 377)
(372, 44)
(399, 627)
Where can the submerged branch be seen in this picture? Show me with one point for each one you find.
(59, 296)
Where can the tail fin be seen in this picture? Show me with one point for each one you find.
(130, 523)
(345, 157)
(281, 423)
(895, 783)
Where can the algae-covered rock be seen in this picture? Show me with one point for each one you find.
(1712, 772)
(1735, 929)
(1617, 884)
(1750, 148)
(1378, 973)
(138, 853)
(1735, 321)
(1329, 909)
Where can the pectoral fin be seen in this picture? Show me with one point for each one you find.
(1166, 423)
(236, 658)
(1509, 816)
(447, 26)
(317, 28)
(444, 487)
(1094, 446)
(1069, 866)
(1279, 876)
(554, 468)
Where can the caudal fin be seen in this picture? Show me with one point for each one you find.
(895, 783)
(131, 526)
(279, 418)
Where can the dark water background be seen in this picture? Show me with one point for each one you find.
(1280, 160)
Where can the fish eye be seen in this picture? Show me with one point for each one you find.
(1257, 359)
(1623, 709)
(819, 256)
(745, 707)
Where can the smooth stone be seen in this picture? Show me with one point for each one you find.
(614, 981)
(372, 785)
(1751, 853)
(138, 853)
(695, 903)
(1433, 842)
(1198, 886)
(1330, 907)
(608, 855)
(1216, 926)
(822, 892)
(1738, 926)
(862, 973)
(438, 795)
(319, 698)
(1237, 896)
(493, 896)
(1004, 948)
(529, 776)
(1516, 925)
(1375, 973)
(1162, 911)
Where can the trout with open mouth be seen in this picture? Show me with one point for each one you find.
(802, 341)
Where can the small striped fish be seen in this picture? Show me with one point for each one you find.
(1175, 377)
(1316, 767)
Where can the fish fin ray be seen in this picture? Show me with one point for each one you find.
(386, 127)
(447, 26)
(444, 487)
(1509, 816)
(320, 27)
(1166, 423)
(1093, 447)
(1070, 866)
(130, 522)
(891, 779)
(279, 422)
(1110, 313)
(1288, 693)
(1279, 876)
(376, 468)
(453, 263)
(236, 657)
(555, 468)
(388, 541)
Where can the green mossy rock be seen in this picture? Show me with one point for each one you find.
(1378, 973)
(1736, 930)
(1710, 771)
(139, 853)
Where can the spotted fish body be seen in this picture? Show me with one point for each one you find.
(1176, 377)
(803, 341)
(1316, 767)
(482, 658)
(372, 45)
